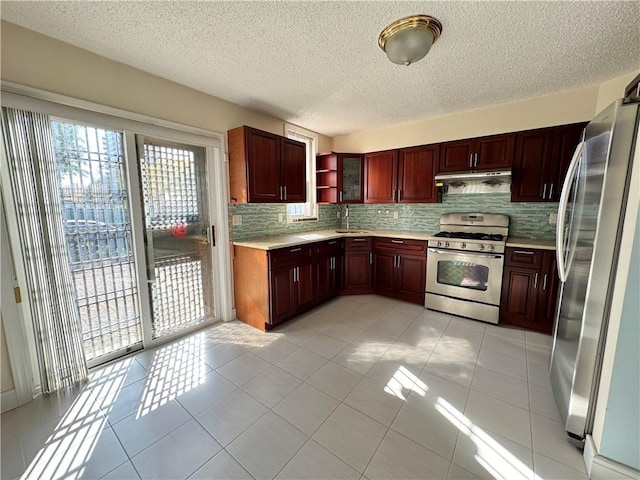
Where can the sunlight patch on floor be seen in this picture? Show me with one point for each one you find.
(404, 379)
(493, 457)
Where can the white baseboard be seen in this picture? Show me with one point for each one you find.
(603, 468)
(9, 400)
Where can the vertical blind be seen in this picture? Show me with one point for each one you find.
(32, 169)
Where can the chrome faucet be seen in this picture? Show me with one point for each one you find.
(346, 215)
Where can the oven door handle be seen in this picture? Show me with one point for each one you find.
(468, 254)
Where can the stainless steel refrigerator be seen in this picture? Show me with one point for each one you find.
(590, 217)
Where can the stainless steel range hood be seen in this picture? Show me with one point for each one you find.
(491, 181)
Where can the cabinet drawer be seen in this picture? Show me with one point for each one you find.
(357, 243)
(401, 245)
(329, 248)
(523, 257)
(294, 255)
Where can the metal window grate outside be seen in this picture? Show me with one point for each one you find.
(90, 168)
(174, 192)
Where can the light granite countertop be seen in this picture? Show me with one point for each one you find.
(288, 240)
(540, 244)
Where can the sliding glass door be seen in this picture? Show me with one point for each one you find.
(178, 234)
(90, 165)
(170, 183)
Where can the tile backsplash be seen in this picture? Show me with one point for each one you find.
(261, 220)
(529, 220)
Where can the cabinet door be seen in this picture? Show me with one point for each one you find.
(282, 295)
(565, 141)
(384, 272)
(547, 294)
(519, 296)
(456, 156)
(416, 169)
(495, 151)
(324, 280)
(304, 284)
(294, 171)
(350, 184)
(357, 271)
(263, 166)
(532, 165)
(411, 277)
(380, 179)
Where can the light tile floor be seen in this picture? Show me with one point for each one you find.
(362, 387)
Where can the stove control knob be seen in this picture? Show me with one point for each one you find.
(446, 244)
(481, 247)
(490, 248)
(463, 245)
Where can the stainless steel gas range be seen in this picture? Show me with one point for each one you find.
(464, 265)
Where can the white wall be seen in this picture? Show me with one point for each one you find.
(566, 107)
(612, 90)
(38, 61)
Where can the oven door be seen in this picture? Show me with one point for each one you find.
(465, 275)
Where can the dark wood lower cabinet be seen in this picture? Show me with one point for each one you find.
(529, 289)
(400, 269)
(358, 266)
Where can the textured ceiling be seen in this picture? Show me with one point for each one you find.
(318, 65)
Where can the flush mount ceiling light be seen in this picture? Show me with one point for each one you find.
(409, 39)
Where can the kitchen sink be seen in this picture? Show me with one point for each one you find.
(352, 231)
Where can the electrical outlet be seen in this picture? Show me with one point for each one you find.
(395, 215)
(280, 217)
(338, 214)
(553, 218)
(237, 219)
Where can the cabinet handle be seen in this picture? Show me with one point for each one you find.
(475, 162)
(295, 249)
(393, 197)
(471, 160)
(341, 195)
(370, 258)
(398, 261)
(544, 191)
(331, 263)
(397, 241)
(544, 282)
(359, 239)
(550, 191)
(535, 281)
(285, 192)
(280, 190)
(333, 242)
(523, 252)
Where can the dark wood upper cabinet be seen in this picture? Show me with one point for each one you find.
(532, 165)
(266, 168)
(294, 171)
(456, 156)
(380, 177)
(495, 151)
(565, 140)
(541, 161)
(403, 176)
(416, 169)
(339, 177)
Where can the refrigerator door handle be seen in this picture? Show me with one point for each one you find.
(562, 211)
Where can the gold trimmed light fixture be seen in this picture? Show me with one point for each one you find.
(409, 39)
